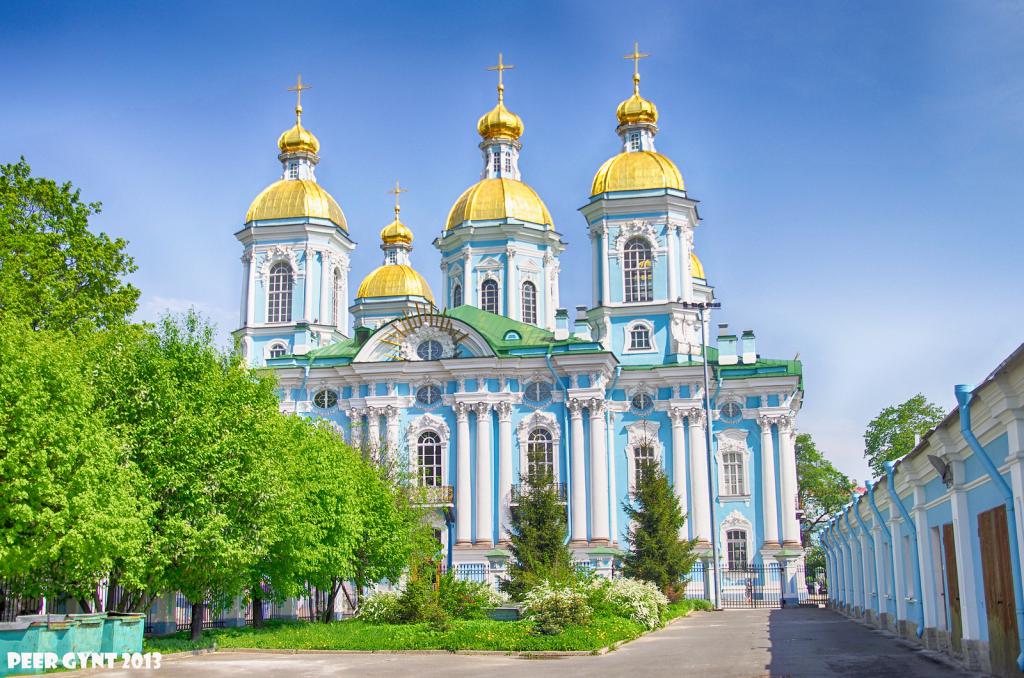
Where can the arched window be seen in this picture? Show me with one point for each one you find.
(279, 297)
(540, 454)
(637, 271)
(529, 303)
(736, 549)
(489, 295)
(337, 297)
(278, 350)
(639, 338)
(642, 456)
(428, 459)
(456, 295)
(733, 476)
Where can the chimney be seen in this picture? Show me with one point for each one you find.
(582, 326)
(561, 324)
(726, 346)
(747, 349)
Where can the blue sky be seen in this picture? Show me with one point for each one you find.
(859, 165)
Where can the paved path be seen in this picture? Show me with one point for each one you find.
(734, 644)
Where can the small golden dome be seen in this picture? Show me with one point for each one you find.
(636, 109)
(696, 268)
(636, 170)
(499, 198)
(298, 139)
(500, 123)
(290, 198)
(394, 280)
(396, 232)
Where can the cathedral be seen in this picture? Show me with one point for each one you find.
(473, 386)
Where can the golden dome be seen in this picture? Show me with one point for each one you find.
(298, 139)
(499, 198)
(290, 198)
(636, 109)
(394, 280)
(696, 268)
(396, 232)
(636, 170)
(501, 123)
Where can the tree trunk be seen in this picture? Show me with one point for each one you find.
(332, 596)
(197, 620)
(257, 608)
(86, 605)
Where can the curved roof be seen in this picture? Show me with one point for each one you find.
(499, 198)
(290, 198)
(636, 170)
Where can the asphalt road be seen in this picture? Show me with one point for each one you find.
(733, 644)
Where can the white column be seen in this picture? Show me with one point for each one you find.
(900, 584)
(787, 469)
(463, 493)
(373, 427)
(966, 570)
(687, 241)
(355, 427)
(468, 291)
(243, 315)
(511, 308)
(391, 436)
(924, 558)
(250, 300)
(325, 277)
(600, 528)
(677, 415)
(769, 501)
(578, 469)
(307, 310)
(484, 477)
(605, 253)
(504, 467)
(880, 573)
(870, 591)
(342, 323)
(595, 252)
(673, 258)
(700, 501)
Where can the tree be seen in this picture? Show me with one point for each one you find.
(892, 434)
(656, 553)
(538, 528)
(54, 271)
(823, 489)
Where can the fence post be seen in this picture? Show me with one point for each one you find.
(235, 615)
(162, 614)
(291, 609)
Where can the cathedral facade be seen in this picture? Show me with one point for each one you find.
(504, 380)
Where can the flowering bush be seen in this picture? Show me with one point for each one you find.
(464, 599)
(380, 608)
(552, 608)
(638, 600)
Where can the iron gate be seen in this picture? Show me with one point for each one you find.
(756, 585)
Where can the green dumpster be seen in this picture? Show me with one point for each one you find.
(89, 634)
(55, 635)
(17, 636)
(122, 632)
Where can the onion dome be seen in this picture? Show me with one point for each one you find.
(500, 123)
(636, 109)
(637, 170)
(696, 268)
(298, 139)
(394, 280)
(396, 233)
(499, 198)
(295, 198)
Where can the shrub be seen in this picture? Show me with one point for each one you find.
(638, 600)
(552, 607)
(463, 599)
(380, 608)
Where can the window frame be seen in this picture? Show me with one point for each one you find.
(537, 383)
(486, 295)
(433, 403)
(528, 302)
(546, 446)
(736, 540)
(330, 399)
(434, 471)
(433, 355)
(280, 293)
(628, 336)
(275, 346)
(456, 295)
(637, 271)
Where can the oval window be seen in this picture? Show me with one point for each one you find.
(429, 350)
(428, 395)
(641, 402)
(537, 392)
(731, 411)
(325, 399)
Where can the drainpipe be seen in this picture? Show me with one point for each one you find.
(860, 556)
(874, 558)
(890, 472)
(888, 535)
(608, 449)
(963, 399)
(565, 427)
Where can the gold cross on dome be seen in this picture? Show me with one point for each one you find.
(396, 191)
(299, 86)
(501, 68)
(636, 56)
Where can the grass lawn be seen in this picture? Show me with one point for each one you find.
(477, 634)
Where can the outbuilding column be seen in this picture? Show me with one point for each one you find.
(578, 486)
(463, 493)
(966, 568)
(700, 502)
(484, 476)
(677, 415)
(769, 502)
(600, 526)
(504, 468)
(899, 567)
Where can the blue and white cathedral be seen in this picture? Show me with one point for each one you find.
(465, 396)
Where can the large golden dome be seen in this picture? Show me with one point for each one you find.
(499, 198)
(290, 198)
(500, 123)
(636, 170)
(696, 268)
(394, 280)
(396, 232)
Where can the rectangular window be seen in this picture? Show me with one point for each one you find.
(391, 256)
(639, 338)
(497, 162)
(293, 170)
(732, 469)
(634, 141)
(508, 162)
(736, 549)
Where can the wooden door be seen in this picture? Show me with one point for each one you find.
(956, 629)
(1003, 645)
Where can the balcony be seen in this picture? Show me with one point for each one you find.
(432, 495)
(519, 490)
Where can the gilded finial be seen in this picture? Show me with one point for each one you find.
(501, 68)
(636, 56)
(299, 86)
(396, 191)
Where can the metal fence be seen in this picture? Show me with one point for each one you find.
(756, 585)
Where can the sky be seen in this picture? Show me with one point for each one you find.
(858, 164)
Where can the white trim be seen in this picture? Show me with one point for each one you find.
(420, 425)
(636, 229)
(544, 420)
(640, 433)
(733, 440)
(271, 345)
(650, 331)
(736, 521)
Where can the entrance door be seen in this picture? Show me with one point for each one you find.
(956, 629)
(1003, 645)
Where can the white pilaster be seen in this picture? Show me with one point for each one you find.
(769, 500)
(484, 477)
(600, 528)
(578, 486)
(787, 469)
(250, 300)
(880, 574)
(899, 568)
(463, 493)
(924, 551)
(677, 415)
(966, 571)
(391, 436)
(373, 427)
(307, 287)
(605, 253)
(243, 310)
(700, 504)
(687, 241)
(504, 467)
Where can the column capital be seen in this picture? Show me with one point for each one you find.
(785, 423)
(462, 411)
(677, 415)
(504, 409)
(596, 406)
(765, 421)
(576, 408)
(482, 409)
(391, 413)
(696, 416)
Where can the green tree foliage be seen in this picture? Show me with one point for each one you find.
(656, 553)
(891, 434)
(538, 528)
(54, 272)
(68, 498)
(822, 488)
